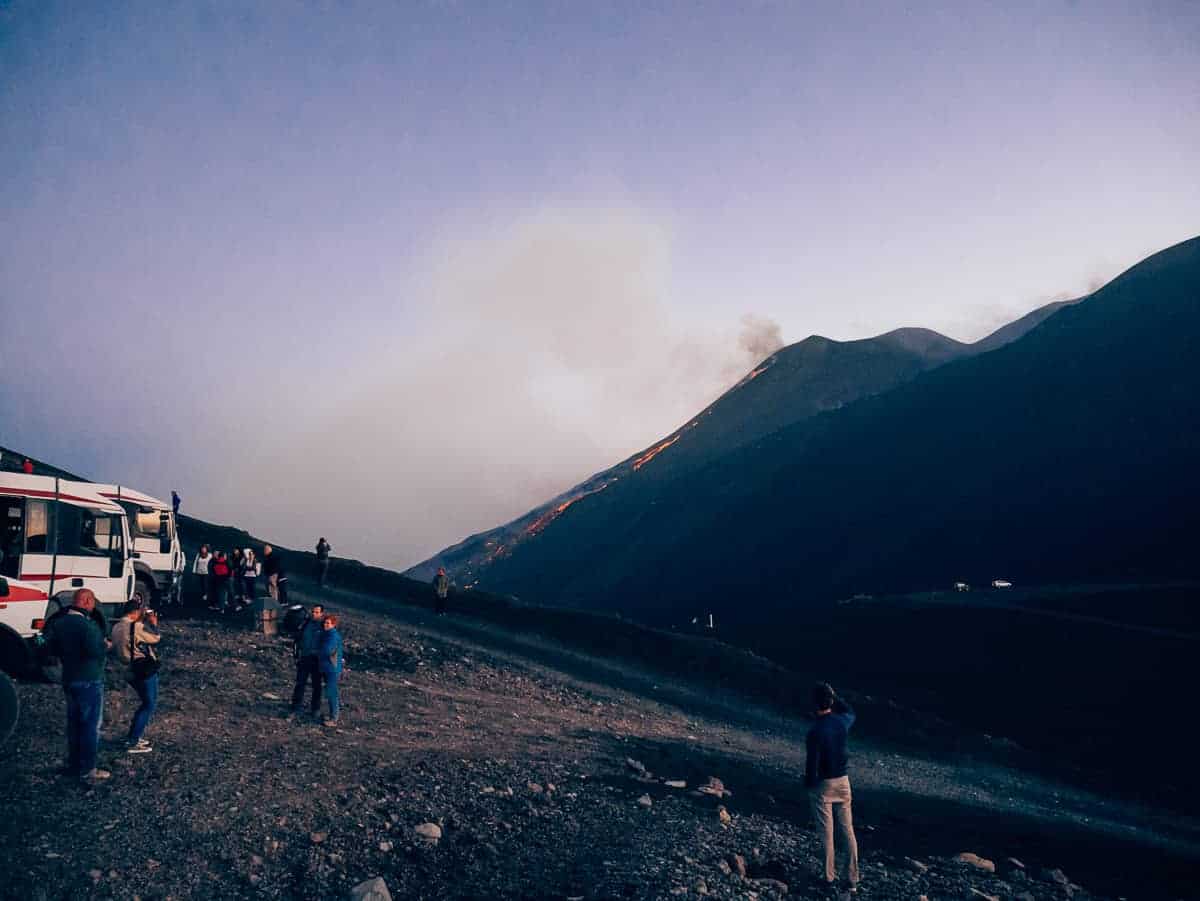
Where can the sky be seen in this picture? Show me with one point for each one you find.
(396, 273)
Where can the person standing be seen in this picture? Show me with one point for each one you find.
(27, 467)
(441, 587)
(828, 785)
(249, 574)
(220, 573)
(323, 549)
(331, 666)
(307, 650)
(272, 566)
(237, 583)
(133, 642)
(175, 501)
(200, 572)
(75, 639)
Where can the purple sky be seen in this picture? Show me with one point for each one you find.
(396, 272)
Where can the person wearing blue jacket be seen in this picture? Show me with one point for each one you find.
(331, 665)
(828, 784)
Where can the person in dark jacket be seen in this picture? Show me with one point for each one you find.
(827, 782)
(272, 567)
(307, 650)
(331, 666)
(76, 640)
(323, 549)
(175, 501)
(441, 588)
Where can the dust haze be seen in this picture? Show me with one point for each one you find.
(549, 351)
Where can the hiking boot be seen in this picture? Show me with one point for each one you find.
(141, 746)
(95, 777)
(330, 724)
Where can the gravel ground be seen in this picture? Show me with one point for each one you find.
(537, 777)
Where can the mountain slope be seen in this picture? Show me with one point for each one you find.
(813, 376)
(1066, 454)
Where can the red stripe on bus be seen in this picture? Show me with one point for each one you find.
(33, 492)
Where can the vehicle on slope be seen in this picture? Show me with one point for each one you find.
(60, 535)
(158, 557)
(22, 618)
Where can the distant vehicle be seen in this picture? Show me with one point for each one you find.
(157, 555)
(961, 586)
(60, 535)
(22, 618)
(1001, 583)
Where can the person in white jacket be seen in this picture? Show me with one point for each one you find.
(200, 573)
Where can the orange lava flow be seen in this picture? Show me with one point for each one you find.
(653, 452)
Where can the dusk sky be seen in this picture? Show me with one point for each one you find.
(395, 273)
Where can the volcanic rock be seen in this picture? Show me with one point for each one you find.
(371, 890)
(974, 860)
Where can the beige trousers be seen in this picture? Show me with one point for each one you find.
(268, 621)
(830, 800)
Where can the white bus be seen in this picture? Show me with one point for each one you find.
(22, 618)
(157, 555)
(60, 535)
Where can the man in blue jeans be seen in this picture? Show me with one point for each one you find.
(75, 639)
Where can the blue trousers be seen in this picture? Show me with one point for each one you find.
(331, 694)
(147, 691)
(85, 715)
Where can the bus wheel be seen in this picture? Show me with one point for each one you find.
(10, 708)
(143, 592)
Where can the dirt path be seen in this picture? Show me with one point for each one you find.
(517, 749)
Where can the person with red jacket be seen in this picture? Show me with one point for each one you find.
(220, 574)
(27, 467)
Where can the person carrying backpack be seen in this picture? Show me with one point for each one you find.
(133, 643)
(272, 567)
(331, 666)
(441, 588)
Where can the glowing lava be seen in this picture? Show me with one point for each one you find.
(653, 452)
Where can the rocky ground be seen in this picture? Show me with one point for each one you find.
(462, 769)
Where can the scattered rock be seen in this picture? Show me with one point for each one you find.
(714, 787)
(429, 832)
(723, 866)
(371, 890)
(385, 846)
(983, 896)
(638, 767)
(645, 801)
(974, 860)
(317, 837)
(1013, 864)
(255, 860)
(96, 875)
(1056, 876)
(679, 890)
(723, 816)
(701, 887)
(675, 783)
(271, 696)
(771, 885)
(916, 866)
(534, 787)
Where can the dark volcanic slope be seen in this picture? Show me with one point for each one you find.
(813, 376)
(1065, 455)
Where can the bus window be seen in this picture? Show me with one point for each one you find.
(11, 538)
(37, 516)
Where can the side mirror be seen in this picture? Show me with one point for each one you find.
(3, 587)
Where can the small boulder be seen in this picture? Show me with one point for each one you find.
(385, 847)
(974, 860)
(675, 783)
(714, 787)
(1056, 877)
(428, 832)
(916, 866)
(771, 885)
(723, 866)
(636, 765)
(739, 865)
(371, 890)
(317, 837)
(982, 896)
(723, 816)
(645, 801)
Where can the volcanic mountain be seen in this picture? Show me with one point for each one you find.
(906, 461)
(813, 376)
